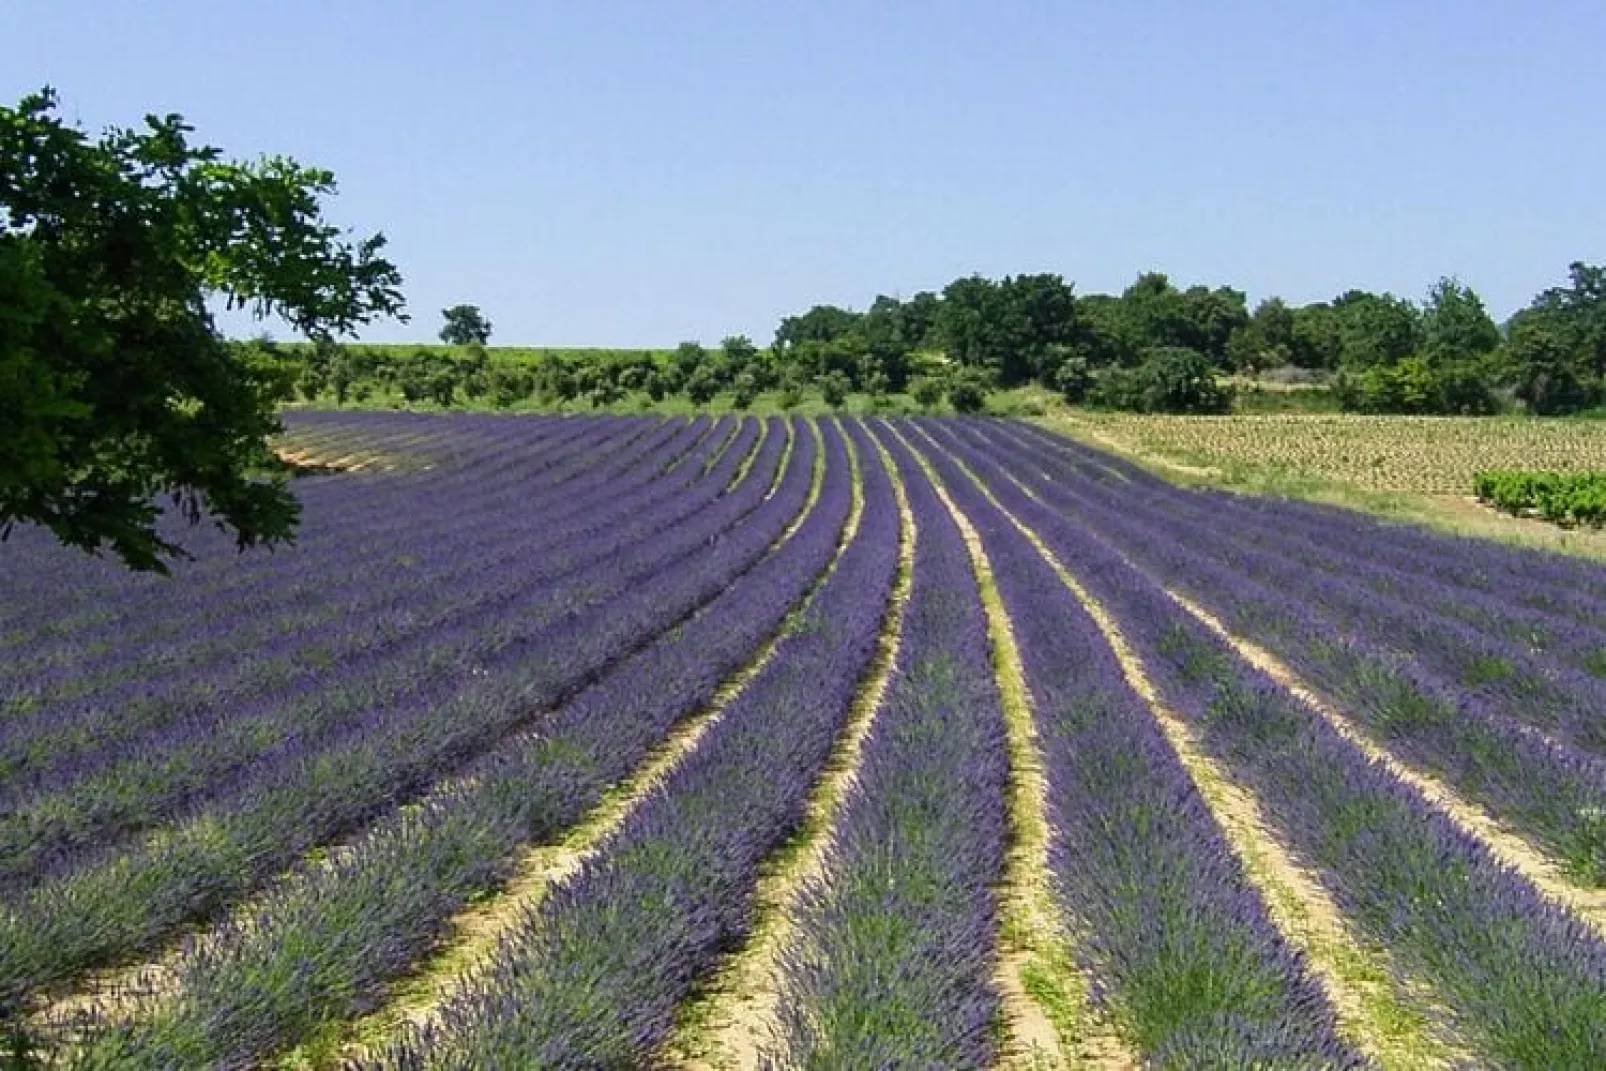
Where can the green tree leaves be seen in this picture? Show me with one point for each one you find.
(117, 386)
(1556, 348)
(465, 325)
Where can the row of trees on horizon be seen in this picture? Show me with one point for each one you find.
(1153, 347)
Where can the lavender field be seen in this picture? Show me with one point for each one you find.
(739, 742)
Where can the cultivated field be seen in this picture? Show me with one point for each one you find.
(622, 742)
(1430, 455)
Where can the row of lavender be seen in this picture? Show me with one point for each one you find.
(1520, 980)
(437, 451)
(155, 629)
(324, 947)
(153, 775)
(313, 764)
(78, 763)
(891, 959)
(602, 657)
(1519, 731)
(1180, 946)
(149, 646)
(595, 976)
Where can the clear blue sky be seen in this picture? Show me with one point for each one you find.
(611, 173)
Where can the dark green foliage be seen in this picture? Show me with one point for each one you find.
(1009, 329)
(739, 353)
(926, 391)
(669, 380)
(1266, 340)
(1155, 315)
(1565, 498)
(554, 379)
(273, 368)
(822, 323)
(324, 367)
(1314, 342)
(702, 385)
(425, 375)
(1074, 379)
(115, 387)
(1109, 336)
(1443, 355)
(889, 340)
(1455, 325)
(465, 324)
(687, 358)
(1396, 358)
(509, 384)
(1211, 318)
(1417, 385)
(1375, 329)
(1555, 354)
(472, 369)
(1171, 379)
(967, 390)
(834, 387)
(343, 374)
(606, 391)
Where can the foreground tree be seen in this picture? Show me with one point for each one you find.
(115, 386)
(465, 325)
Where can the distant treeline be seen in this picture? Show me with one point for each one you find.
(1154, 347)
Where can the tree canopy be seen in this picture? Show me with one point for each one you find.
(465, 325)
(115, 385)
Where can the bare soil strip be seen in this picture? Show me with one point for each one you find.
(1589, 905)
(117, 994)
(735, 1018)
(1050, 1019)
(752, 458)
(313, 461)
(1356, 977)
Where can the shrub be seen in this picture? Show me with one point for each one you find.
(744, 389)
(1564, 498)
(1171, 379)
(967, 391)
(1416, 385)
(555, 379)
(508, 384)
(701, 386)
(1073, 379)
(834, 389)
(926, 391)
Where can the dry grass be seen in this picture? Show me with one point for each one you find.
(1427, 455)
(1412, 469)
